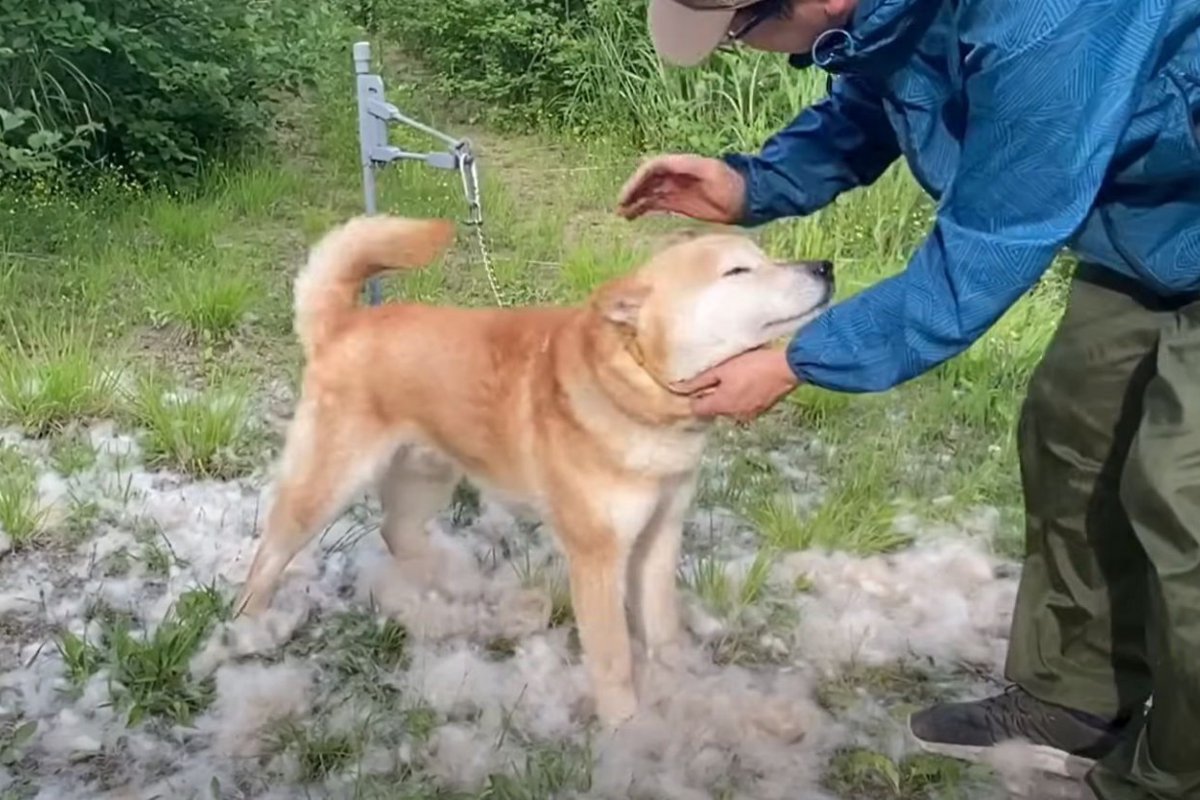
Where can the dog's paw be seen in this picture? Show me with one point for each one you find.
(615, 706)
(670, 656)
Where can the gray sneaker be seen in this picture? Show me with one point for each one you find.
(1062, 741)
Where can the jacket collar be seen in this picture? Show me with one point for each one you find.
(880, 36)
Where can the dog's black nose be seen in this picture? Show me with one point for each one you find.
(823, 269)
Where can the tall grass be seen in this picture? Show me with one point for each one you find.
(52, 375)
(22, 516)
(734, 102)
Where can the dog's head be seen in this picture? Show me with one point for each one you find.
(704, 300)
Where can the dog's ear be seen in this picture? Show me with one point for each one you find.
(620, 301)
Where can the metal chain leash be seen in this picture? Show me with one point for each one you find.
(374, 116)
(470, 179)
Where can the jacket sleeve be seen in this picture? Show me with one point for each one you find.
(1049, 97)
(838, 143)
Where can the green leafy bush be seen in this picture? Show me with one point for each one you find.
(150, 85)
(518, 56)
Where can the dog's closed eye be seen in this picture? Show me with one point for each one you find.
(736, 271)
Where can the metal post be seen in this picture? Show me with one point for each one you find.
(372, 131)
(375, 114)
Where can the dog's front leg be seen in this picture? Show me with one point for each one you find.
(598, 597)
(597, 539)
(652, 569)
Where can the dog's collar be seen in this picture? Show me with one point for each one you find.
(634, 348)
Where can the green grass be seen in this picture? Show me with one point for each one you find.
(724, 594)
(71, 452)
(365, 646)
(365, 654)
(206, 433)
(549, 577)
(211, 302)
(850, 518)
(904, 687)
(318, 751)
(548, 771)
(756, 616)
(862, 774)
(22, 517)
(81, 659)
(52, 374)
(152, 671)
(149, 673)
(83, 515)
(154, 549)
(13, 739)
(465, 504)
(744, 481)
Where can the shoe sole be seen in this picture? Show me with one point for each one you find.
(1041, 758)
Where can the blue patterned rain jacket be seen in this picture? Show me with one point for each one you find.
(1034, 124)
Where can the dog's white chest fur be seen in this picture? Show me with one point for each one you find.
(663, 453)
(639, 448)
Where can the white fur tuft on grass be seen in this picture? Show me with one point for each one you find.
(450, 670)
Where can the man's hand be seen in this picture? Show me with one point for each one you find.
(702, 188)
(743, 387)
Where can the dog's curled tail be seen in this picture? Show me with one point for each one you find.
(327, 289)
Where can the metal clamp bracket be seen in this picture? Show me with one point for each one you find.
(375, 115)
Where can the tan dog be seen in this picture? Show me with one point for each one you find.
(566, 410)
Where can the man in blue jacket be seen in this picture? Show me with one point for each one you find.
(1036, 125)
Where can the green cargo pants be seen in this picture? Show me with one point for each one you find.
(1108, 611)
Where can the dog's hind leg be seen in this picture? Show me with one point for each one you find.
(327, 459)
(418, 484)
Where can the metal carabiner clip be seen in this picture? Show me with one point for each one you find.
(470, 180)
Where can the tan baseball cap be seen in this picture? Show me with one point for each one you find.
(685, 32)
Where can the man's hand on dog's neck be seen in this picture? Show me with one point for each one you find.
(744, 387)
